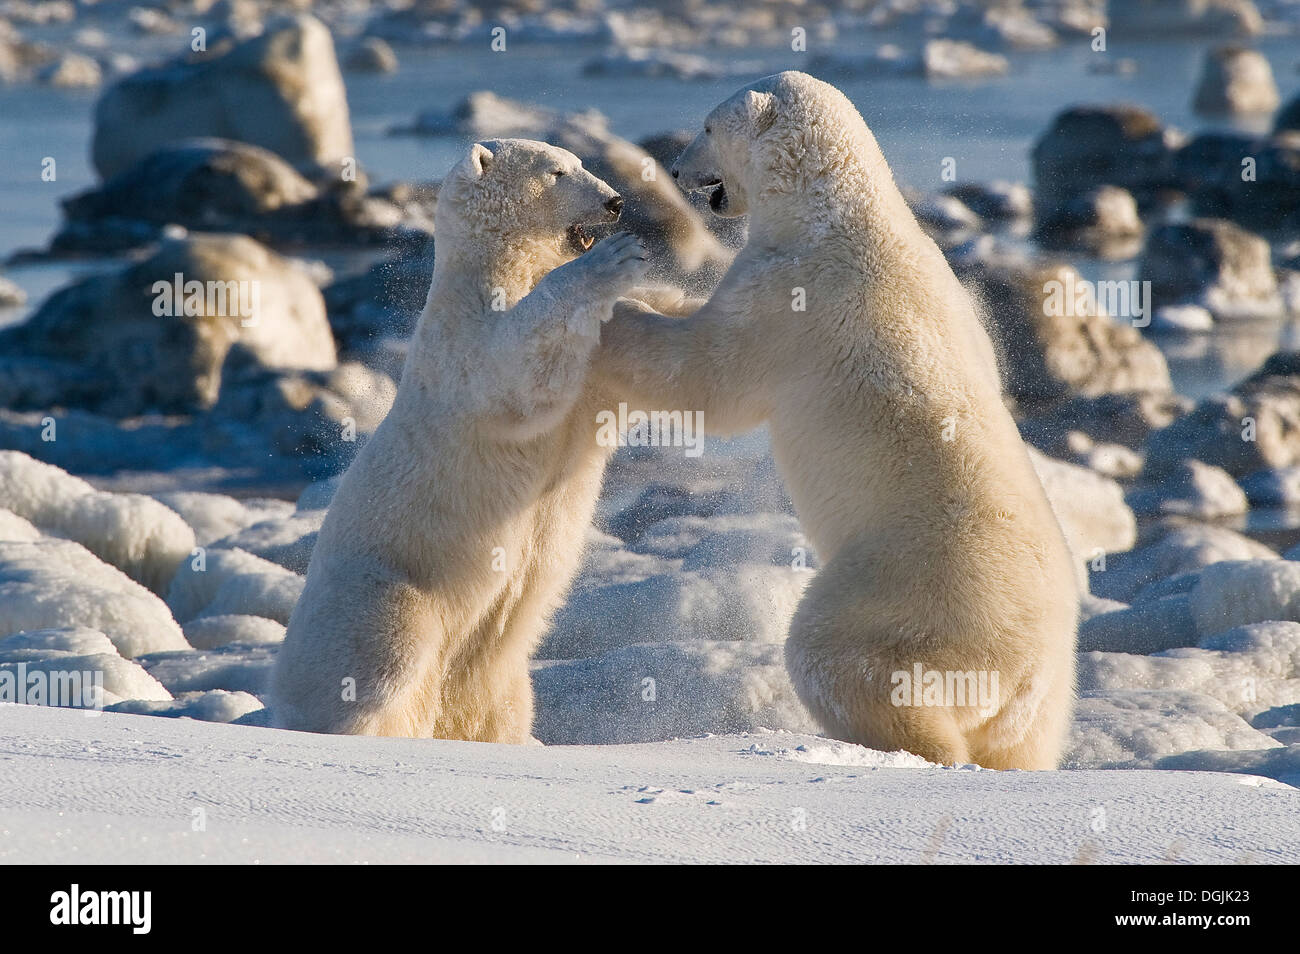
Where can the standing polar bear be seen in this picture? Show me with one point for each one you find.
(459, 526)
(841, 326)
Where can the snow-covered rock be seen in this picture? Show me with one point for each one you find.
(285, 540)
(1090, 507)
(1212, 263)
(1237, 592)
(212, 632)
(1192, 489)
(214, 516)
(1273, 487)
(235, 582)
(1236, 81)
(281, 90)
(149, 345)
(1131, 728)
(1249, 669)
(138, 535)
(17, 529)
(371, 55)
(659, 691)
(1170, 551)
(234, 668)
(52, 583)
(1255, 426)
(90, 654)
(1095, 145)
(1146, 627)
(215, 705)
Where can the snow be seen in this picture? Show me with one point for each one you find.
(1232, 593)
(1091, 507)
(233, 582)
(79, 650)
(1248, 669)
(213, 516)
(76, 790)
(286, 540)
(657, 691)
(235, 667)
(1181, 549)
(50, 583)
(137, 534)
(210, 632)
(1146, 627)
(661, 687)
(15, 528)
(215, 705)
(1134, 726)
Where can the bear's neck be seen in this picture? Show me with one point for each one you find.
(497, 270)
(838, 186)
(476, 280)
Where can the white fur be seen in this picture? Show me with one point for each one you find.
(935, 551)
(458, 528)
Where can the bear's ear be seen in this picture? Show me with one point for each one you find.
(480, 160)
(760, 109)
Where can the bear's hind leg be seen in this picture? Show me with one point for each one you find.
(843, 679)
(843, 664)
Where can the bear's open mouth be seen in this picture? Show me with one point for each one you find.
(579, 240)
(718, 197)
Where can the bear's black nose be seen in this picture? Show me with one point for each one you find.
(615, 205)
(675, 172)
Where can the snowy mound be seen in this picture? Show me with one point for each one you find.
(138, 535)
(61, 653)
(51, 583)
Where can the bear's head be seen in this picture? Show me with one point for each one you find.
(526, 191)
(785, 136)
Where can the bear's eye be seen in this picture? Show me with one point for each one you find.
(708, 130)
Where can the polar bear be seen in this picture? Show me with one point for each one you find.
(943, 620)
(460, 524)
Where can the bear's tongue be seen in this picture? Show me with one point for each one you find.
(579, 240)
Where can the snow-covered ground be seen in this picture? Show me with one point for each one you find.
(673, 631)
(125, 788)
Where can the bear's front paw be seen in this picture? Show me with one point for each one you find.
(619, 262)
